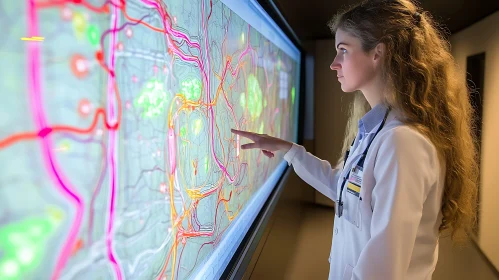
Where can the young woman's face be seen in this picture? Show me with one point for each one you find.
(354, 67)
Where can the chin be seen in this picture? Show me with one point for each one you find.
(347, 89)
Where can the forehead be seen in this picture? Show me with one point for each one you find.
(345, 37)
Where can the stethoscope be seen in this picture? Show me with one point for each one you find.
(360, 164)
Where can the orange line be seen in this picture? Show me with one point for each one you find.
(141, 22)
(49, 4)
(102, 9)
(63, 128)
(17, 137)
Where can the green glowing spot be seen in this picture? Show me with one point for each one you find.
(261, 128)
(183, 131)
(23, 244)
(9, 269)
(25, 255)
(242, 100)
(279, 64)
(79, 24)
(191, 89)
(206, 164)
(93, 34)
(242, 37)
(152, 99)
(265, 103)
(36, 231)
(293, 95)
(254, 97)
(15, 238)
(198, 124)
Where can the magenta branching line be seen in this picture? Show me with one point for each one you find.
(35, 92)
(120, 29)
(112, 147)
(203, 68)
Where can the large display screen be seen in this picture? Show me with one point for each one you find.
(117, 160)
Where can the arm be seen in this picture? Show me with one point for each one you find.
(316, 172)
(404, 172)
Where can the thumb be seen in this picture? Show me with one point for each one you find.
(268, 153)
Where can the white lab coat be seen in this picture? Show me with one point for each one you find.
(393, 229)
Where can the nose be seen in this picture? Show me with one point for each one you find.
(335, 65)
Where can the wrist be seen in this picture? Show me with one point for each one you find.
(285, 146)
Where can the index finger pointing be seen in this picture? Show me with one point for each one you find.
(247, 134)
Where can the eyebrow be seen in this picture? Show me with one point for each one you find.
(341, 43)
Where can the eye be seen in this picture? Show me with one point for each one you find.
(343, 50)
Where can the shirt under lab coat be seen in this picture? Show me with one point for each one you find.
(390, 231)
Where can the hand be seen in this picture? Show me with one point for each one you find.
(267, 144)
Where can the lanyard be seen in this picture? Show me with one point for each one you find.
(339, 202)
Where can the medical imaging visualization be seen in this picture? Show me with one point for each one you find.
(117, 157)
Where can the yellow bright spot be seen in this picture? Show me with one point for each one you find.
(198, 124)
(194, 194)
(34, 38)
(65, 146)
(261, 128)
(79, 24)
(242, 37)
(55, 213)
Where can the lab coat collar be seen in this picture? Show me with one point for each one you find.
(372, 118)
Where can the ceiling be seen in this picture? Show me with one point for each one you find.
(308, 18)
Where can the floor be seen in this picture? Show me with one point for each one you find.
(297, 241)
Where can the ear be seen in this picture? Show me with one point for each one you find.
(379, 53)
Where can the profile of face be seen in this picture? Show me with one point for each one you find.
(355, 68)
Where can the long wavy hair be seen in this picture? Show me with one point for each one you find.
(426, 88)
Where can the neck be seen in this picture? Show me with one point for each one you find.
(373, 92)
(372, 99)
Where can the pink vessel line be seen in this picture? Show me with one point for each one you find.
(35, 93)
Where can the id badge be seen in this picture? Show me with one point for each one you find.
(351, 205)
(355, 181)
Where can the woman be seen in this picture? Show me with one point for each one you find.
(410, 174)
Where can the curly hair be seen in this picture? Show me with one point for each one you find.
(427, 89)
